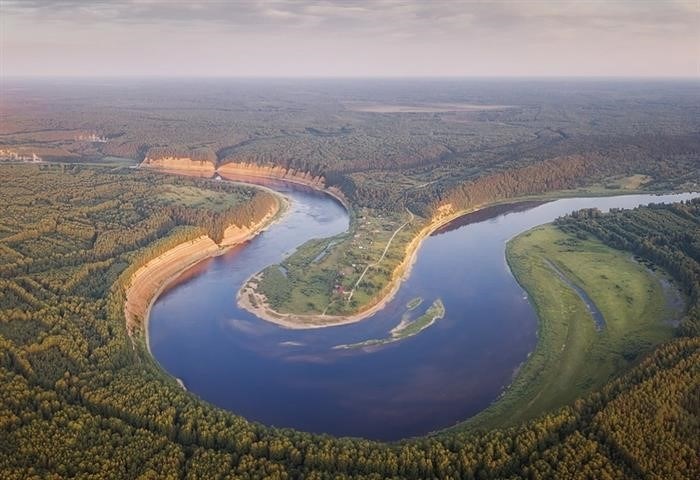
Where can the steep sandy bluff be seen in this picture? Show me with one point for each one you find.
(201, 166)
(188, 163)
(272, 171)
(235, 234)
(179, 163)
(242, 169)
(181, 158)
(150, 279)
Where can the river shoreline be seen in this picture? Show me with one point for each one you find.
(401, 272)
(250, 300)
(262, 310)
(295, 321)
(299, 364)
(153, 278)
(239, 172)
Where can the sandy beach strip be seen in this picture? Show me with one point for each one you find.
(302, 321)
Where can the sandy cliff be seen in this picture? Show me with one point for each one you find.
(153, 277)
(185, 164)
(179, 163)
(150, 279)
(271, 171)
(188, 166)
(235, 234)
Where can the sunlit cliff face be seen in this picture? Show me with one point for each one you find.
(186, 164)
(179, 163)
(358, 38)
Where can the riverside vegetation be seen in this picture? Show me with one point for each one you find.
(405, 155)
(574, 355)
(406, 328)
(82, 401)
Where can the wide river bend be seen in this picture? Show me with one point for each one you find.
(294, 378)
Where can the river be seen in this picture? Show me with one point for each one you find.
(294, 378)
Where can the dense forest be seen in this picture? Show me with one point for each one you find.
(557, 174)
(81, 400)
(351, 133)
(196, 154)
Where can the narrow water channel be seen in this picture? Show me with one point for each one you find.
(590, 305)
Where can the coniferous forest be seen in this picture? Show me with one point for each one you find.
(350, 239)
(83, 399)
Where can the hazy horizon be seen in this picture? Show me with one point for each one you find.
(367, 77)
(350, 39)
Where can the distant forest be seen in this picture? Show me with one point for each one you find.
(196, 154)
(82, 399)
(586, 130)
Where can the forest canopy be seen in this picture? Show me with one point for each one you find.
(80, 400)
(380, 158)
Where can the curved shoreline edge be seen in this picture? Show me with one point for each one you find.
(239, 172)
(154, 277)
(401, 272)
(311, 321)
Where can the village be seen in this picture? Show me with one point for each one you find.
(7, 155)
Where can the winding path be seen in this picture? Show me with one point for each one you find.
(386, 249)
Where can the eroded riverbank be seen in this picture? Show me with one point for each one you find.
(255, 302)
(294, 377)
(149, 281)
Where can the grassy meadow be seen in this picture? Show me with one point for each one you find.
(195, 197)
(571, 358)
(338, 275)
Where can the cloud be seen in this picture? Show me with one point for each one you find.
(362, 13)
(376, 36)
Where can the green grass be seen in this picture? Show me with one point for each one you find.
(409, 328)
(321, 274)
(308, 281)
(191, 196)
(406, 328)
(414, 303)
(571, 359)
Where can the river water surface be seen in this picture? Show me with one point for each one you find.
(294, 378)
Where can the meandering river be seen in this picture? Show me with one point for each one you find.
(294, 378)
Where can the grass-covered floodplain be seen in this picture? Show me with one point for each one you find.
(343, 274)
(571, 358)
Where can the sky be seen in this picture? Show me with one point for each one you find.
(343, 38)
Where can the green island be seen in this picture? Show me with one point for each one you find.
(414, 303)
(406, 328)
